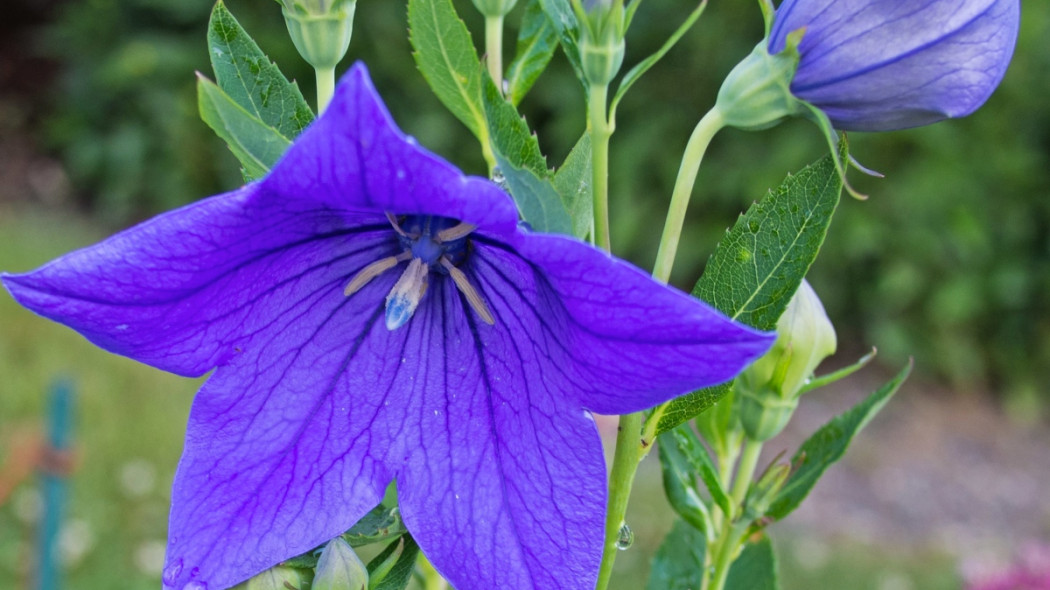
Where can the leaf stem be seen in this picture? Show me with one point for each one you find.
(494, 48)
(600, 129)
(325, 87)
(705, 130)
(625, 464)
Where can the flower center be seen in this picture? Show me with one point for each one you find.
(428, 243)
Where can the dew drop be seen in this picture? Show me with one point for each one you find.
(195, 586)
(625, 538)
(171, 572)
(400, 173)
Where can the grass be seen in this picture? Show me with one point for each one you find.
(130, 420)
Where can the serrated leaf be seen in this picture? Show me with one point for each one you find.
(700, 463)
(679, 563)
(251, 80)
(381, 523)
(564, 21)
(383, 575)
(537, 40)
(760, 263)
(445, 55)
(256, 145)
(680, 485)
(523, 166)
(755, 568)
(510, 136)
(573, 183)
(536, 198)
(828, 445)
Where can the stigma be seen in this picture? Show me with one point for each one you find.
(428, 243)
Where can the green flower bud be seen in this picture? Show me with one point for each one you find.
(494, 7)
(757, 92)
(602, 30)
(764, 491)
(768, 390)
(339, 568)
(277, 578)
(320, 29)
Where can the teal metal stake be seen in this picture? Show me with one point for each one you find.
(54, 469)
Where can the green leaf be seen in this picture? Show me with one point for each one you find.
(380, 524)
(255, 144)
(445, 55)
(510, 136)
(387, 573)
(759, 264)
(680, 486)
(700, 462)
(564, 21)
(573, 183)
(537, 40)
(251, 80)
(536, 198)
(755, 568)
(679, 563)
(828, 445)
(523, 167)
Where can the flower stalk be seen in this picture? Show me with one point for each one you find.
(600, 129)
(494, 48)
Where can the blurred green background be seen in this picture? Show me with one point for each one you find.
(948, 261)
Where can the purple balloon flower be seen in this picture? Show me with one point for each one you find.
(373, 314)
(877, 65)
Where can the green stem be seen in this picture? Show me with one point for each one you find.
(727, 545)
(494, 49)
(432, 580)
(705, 130)
(325, 87)
(600, 129)
(625, 464)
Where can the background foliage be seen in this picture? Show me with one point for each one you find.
(949, 260)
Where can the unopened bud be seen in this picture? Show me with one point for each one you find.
(278, 578)
(494, 7)
(339, 568)
(757, 92)
(764, 491)
(320, 29)
(768, 390)
(602, 30)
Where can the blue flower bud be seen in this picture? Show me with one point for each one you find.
(878, 65)
(339, 568)
(768, 390)
(320, 29)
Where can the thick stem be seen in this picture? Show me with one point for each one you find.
(625, 464)
(325, 87)
(600, 129)
(494, 49)
(705, 130)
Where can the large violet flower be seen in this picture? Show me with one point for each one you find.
(877, 65)
(372, 314)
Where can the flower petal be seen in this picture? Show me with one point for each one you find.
(505, 487)
(880, 65)
(633, 342)
(290, 443)
(190, 289)
(355, 157)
